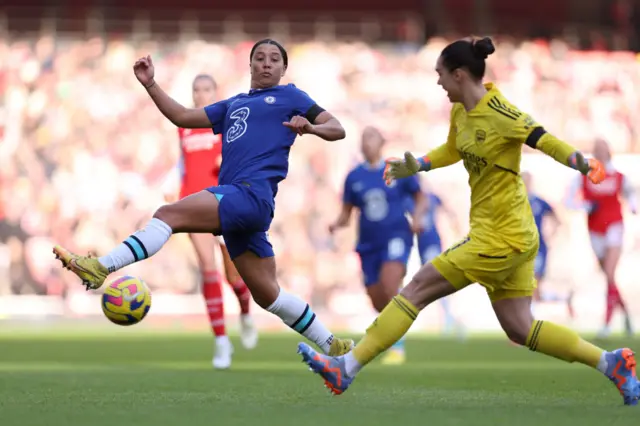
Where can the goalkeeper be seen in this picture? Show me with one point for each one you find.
(487, 134)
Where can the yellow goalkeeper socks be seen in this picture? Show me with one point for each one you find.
(562, 343)
(392, 323)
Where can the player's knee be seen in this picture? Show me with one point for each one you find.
(380, 302)
(264, 295)
(171, 215)
(427, 286)
(516, 334)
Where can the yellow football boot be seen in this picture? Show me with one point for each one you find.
(340, 346)
(87, 268)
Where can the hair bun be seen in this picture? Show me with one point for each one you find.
(483, 48)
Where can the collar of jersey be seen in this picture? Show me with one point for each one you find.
(368, 166)
(492, 91)
(254, 91)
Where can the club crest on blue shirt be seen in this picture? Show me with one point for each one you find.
(270, 99)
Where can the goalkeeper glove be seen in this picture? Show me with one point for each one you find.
(591, 168)
(397, 168)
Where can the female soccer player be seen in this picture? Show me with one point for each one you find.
(543, 212)
(199, 167)
(259, 128)
(385, 237)
(605, 223)
(487, 134)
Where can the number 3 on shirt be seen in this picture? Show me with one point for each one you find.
(239, 126)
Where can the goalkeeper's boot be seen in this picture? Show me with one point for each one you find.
(87, 268)
(331, 369)
(621, 370)
(340, 346)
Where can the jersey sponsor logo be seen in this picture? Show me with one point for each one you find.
(472, 162)
(270, 100)
(481, 136)
(239, 126)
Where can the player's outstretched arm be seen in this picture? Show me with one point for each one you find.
(565, 154)
(442, 156)
(190, 118)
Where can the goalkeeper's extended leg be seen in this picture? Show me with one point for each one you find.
(560, 342)
(394, 321)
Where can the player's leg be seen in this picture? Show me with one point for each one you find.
(435, 280)
(514, 315)
(599, 246)
(205, 248)
(197, 213)
(614, 240)
(391, 276)
(376, 283)
(248, 330)
(254, 259)
(512, 305)
(370, 264)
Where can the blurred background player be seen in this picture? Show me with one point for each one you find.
(430, 245)
(606, 228)
(543, 214)
(199, 167)
(385, 237)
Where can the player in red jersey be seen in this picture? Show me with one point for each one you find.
(605, 223)
(199, 166)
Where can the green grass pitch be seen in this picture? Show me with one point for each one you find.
(126, 377)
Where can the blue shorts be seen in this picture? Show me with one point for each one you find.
(540, 265)
(429, 248)
(245, 217)
(397, 250)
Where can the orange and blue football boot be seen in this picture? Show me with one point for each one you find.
(331, 369)
(621, 370)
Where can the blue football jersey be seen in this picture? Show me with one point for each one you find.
(540, 209)
(255, 144)
(382, 207)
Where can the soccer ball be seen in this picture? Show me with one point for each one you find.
(126, 300)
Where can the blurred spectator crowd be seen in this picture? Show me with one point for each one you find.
(84, 152)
